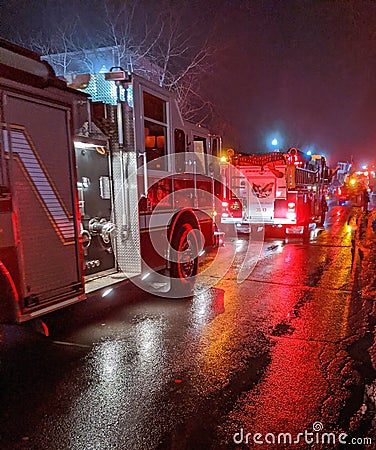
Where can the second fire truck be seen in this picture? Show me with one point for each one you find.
(276, 189)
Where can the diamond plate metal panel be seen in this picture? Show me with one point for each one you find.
(126, 242)
(125, 213)
(104, 91)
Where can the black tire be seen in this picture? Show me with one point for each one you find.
(184, 266)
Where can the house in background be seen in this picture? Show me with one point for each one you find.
(85, 69)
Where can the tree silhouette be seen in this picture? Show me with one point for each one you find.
(158, 41)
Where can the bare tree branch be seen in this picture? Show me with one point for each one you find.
(150, 39)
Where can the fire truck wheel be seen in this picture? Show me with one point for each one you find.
(185, 265)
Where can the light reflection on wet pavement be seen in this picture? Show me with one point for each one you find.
(153, 373)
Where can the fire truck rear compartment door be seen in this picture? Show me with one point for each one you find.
(44, 198)
(261, 196)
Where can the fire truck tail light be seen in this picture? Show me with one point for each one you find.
(291, 214)
(232, 208)
(235, 205)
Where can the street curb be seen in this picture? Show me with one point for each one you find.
(367, 273)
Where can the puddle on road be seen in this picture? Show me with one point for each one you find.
(199, 430)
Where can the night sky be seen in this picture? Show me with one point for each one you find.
(301, 71)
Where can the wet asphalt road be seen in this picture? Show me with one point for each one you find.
(132, 371)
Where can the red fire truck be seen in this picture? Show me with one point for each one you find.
(93, 194)
(276, 189)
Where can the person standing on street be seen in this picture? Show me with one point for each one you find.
(365, 199)
(324, 209)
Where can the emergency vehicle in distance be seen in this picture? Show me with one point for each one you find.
(357, 187)
(276, 189)
(87, 189)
